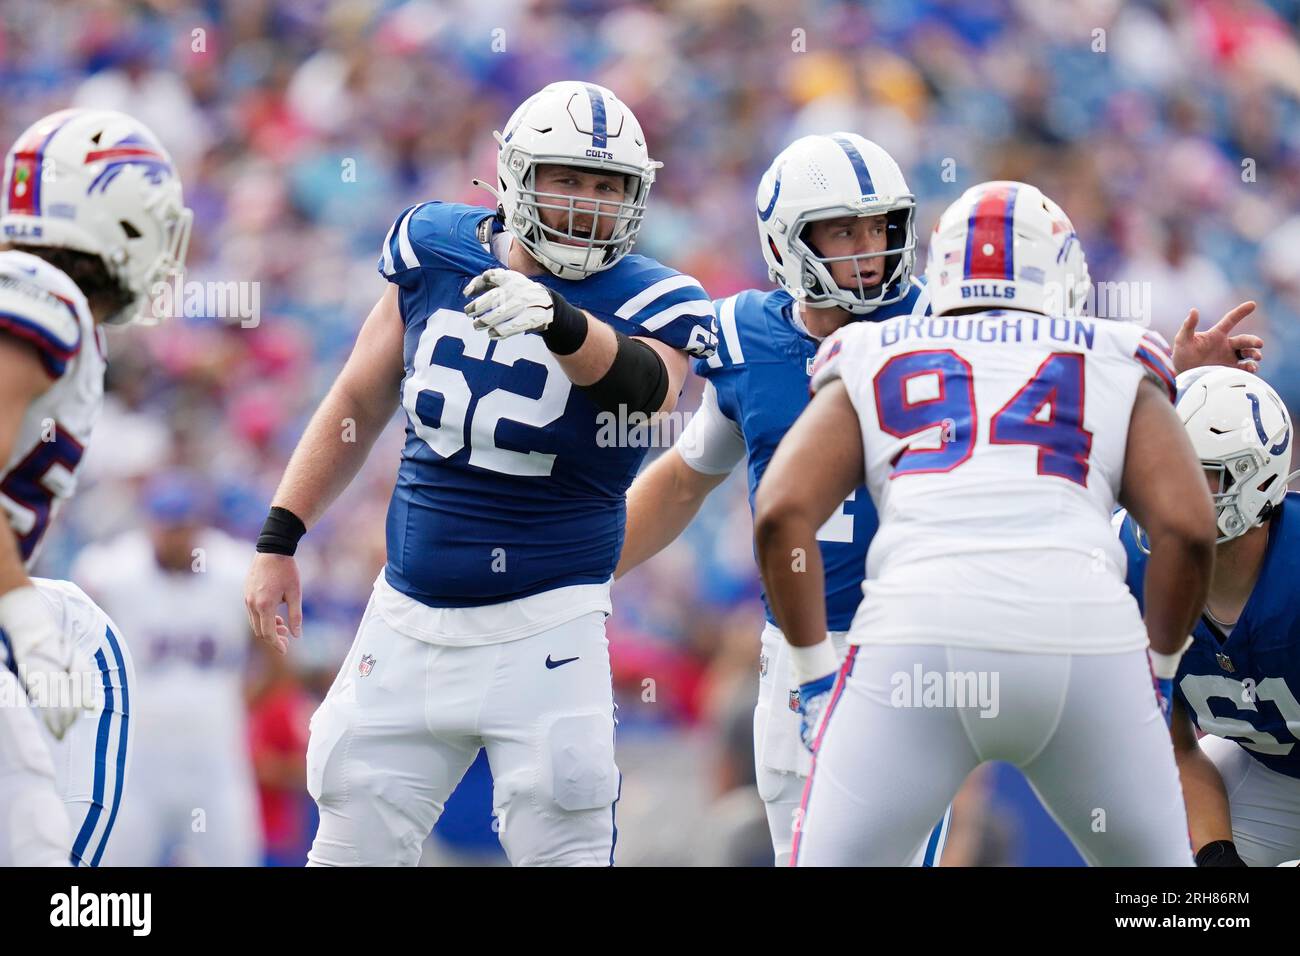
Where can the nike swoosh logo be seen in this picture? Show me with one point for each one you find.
(551, 665)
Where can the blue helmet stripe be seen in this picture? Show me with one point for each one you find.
(598, 130)
(1259, 428)
(859, 165)
(765, 214)
(1009, 239)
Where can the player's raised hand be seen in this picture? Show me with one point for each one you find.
(506, 303)
(273, 580)
(1217, 345)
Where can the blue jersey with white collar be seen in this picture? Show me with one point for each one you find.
(511, 481)
(761, 371)
(1246, 687)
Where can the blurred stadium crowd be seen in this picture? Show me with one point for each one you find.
(1168, 130)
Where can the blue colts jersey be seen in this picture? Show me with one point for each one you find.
(1245, 687)
(761, 371)
(510, 484)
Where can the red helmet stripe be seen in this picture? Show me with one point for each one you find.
(989, 239)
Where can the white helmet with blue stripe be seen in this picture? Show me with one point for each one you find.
(571, 123)
(1241, 431)
(1006, 245)
(827, 177)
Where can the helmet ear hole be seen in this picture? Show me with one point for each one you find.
(131, 231)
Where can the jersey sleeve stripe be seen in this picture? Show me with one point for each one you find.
(922, 304)
(54, 354)
(1158, 342)
(388, 249)
(730, 335)
(701, 307)
(405, 249)
(643, 298)
(1156, 364)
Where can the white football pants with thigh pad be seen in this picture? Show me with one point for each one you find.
(908, 723)
(405, 718)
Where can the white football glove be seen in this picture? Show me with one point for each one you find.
(508, 303)
(60, 684)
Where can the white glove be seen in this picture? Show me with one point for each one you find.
(508, 303)
(59, 684)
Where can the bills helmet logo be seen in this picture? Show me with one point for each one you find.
(131, 151)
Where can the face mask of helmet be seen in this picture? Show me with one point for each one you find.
(858, 296)
(574, 247)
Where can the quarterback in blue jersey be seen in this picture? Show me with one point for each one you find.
(508, 336)
(836, 224)
(1239, 679)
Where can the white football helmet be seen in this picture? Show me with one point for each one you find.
(1241, 431)
(1006, 245)
(826, 177)
(99, 182)
(573, 124)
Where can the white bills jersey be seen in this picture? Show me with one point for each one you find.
(189, 633)
(994, 448)
(40, 305)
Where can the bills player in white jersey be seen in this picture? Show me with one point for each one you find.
(995, 438)
(91, 217)
(190, 798)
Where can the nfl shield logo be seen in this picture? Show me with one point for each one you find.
(367, 665)
(794, 700)
(1224, 661)
(762, 665)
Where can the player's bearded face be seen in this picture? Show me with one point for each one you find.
(852, 236)
(593, 211)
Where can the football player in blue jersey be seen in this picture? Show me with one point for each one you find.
(836, 222)
(507, 335)
(1239, 679)
(836, 226)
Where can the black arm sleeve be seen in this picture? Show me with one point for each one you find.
(637, 379)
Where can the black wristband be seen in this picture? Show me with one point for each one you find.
(281, 532)
(1219, 853)
(568, 328)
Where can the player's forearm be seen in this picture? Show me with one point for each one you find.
(615, 370)
(331, 452)
(1208, 815)
(1177, 582)
(594, 357)
(791, 565)
(663, 500)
